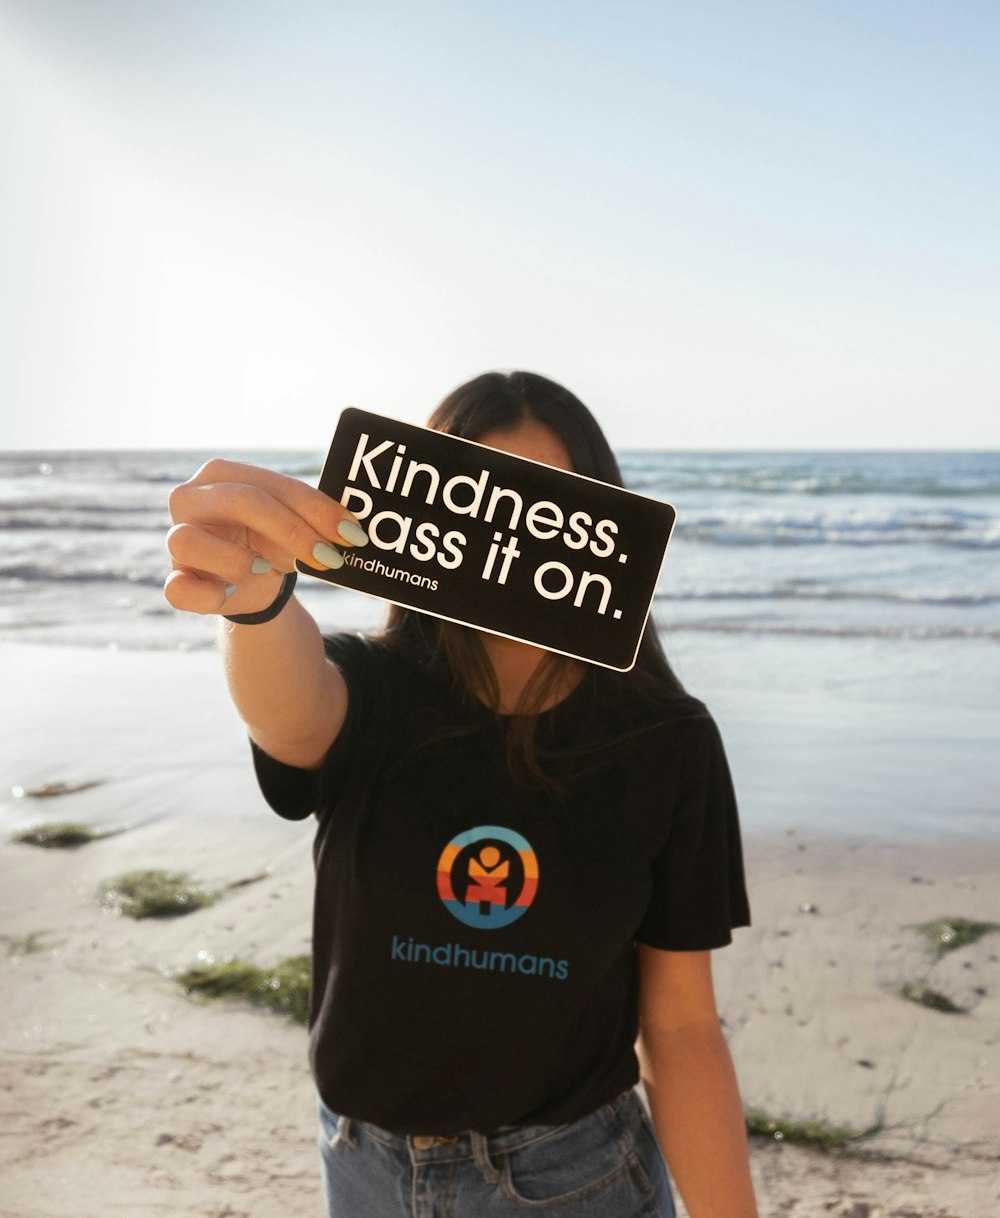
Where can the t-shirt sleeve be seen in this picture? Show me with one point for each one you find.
(699, 888)
(296, 793)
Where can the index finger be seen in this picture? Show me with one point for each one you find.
(282, 510)
(315, 507)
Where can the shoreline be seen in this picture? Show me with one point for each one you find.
(833, 764)
(122, 1095)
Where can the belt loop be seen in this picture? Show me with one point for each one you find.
(481, 1154)
(345, 1132)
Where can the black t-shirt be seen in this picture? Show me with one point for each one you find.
(474, 958)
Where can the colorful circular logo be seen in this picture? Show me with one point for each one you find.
(487, 877)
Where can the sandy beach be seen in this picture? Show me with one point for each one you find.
(120, 1095)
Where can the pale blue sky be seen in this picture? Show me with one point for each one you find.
(723, 224)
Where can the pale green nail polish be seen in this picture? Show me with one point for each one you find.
(230, 590)
(352, 533)
(260, 566)
(327, 555)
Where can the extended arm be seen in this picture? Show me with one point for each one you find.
(691, 1084)
(238, 529)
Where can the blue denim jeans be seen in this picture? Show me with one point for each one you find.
(606, 1165)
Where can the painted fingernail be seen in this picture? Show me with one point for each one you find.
(352, 533)
(260, 566)
(230, 590)
(327, 555)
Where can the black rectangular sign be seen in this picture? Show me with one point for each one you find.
(496, 542)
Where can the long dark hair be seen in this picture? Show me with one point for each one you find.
(501, 401)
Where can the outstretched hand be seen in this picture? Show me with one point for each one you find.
(238, 530)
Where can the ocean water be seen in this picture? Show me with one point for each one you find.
(868, 581)
(898, 552)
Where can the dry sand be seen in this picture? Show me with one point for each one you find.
(118, 1095)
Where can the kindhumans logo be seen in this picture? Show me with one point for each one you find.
(487, 877)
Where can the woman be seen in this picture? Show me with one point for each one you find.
(523, 863)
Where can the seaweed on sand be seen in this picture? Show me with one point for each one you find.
(949, 934)
(50, 790)
(804, 1133)
(284, 988)
(60, 835)
(154, 894)
(925, 996)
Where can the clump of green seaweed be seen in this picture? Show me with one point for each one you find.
(949, 934)
(60, 835)
(154, 894)
(941, 936)
(283, 988)
(804, 1133)
(925, 996)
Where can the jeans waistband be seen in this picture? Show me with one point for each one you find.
(472, 1145)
